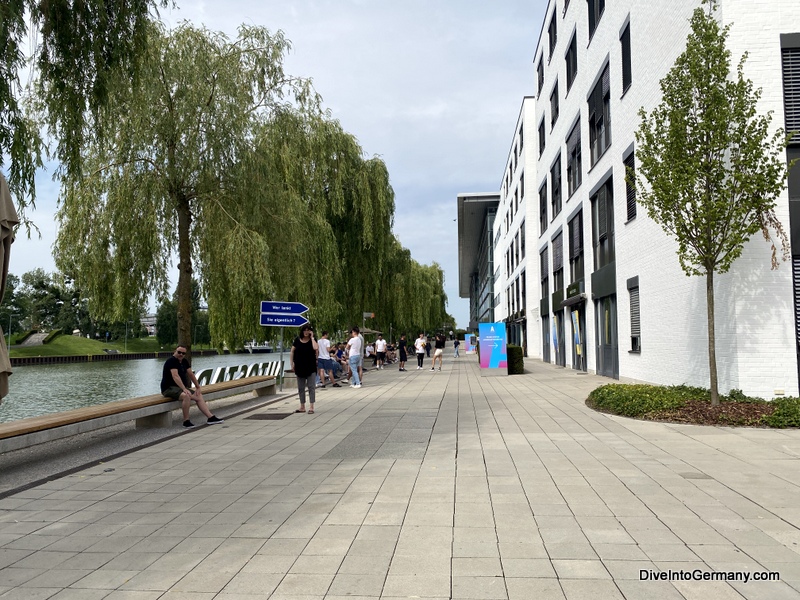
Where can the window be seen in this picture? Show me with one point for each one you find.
(522, 186)
(625, 43)
(543, 269)
(522, 240)
(636, 325)
(630, 186)
(558, 263)
(603, 225)
(596, 8)
(543, 209)
(524, 299)
(540, 76)
(555, 183)
(517, 291)
(552, 33)
(516, 250)
(574, 174)
(600, 117)
(554, 105)
(521, 140)
(576, 248)
(541, 137)
(790, 61)
(572, 61)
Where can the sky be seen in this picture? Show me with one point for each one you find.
(432, 88)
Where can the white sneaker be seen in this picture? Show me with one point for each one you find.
(432, 369)
(357, 386)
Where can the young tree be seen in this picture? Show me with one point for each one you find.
(709, 171)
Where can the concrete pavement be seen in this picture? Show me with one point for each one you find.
(432, 485)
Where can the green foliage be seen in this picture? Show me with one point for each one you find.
(228, 163)
(52, 335)
(639, 400)
(516, 362)
(79, 48)
(167, 323)
(709, 171)
(786, 414)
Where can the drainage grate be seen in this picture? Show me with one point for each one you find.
(266, 417)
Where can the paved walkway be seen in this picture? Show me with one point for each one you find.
(449, 485)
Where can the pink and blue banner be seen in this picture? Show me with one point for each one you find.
(493, 345)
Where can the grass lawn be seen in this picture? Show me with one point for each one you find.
(70, 345)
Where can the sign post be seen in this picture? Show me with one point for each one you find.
(275, 313)
(493, 345)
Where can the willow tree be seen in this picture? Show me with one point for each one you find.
(709, 169)
(79, 48)
(170, 176)
(336, 213)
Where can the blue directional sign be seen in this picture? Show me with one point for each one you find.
(269, 320)
(283, 308)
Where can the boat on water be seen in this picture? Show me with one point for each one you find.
(254, 347)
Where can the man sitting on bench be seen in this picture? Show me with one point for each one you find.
(175, 385)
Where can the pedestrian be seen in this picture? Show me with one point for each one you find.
(419, 345)
(439, 351)
(354, 356)
(380, 351)
(456, 344)
(325, 362)
(175, 378)
(303, 358)
(427, 347)
(361, 354)
(451, 334)
(403, 353)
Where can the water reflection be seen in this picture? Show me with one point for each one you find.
(44, 389)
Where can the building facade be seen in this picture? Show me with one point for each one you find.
(476, 217)
(610, 294)
(565, 256)
(512, 229)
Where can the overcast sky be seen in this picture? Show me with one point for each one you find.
(433, 88)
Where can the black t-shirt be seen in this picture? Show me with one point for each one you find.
(440, 341)
(305, 359)
(402, 347)
(456, 343)
(173, 363)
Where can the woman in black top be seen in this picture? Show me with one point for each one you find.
(303, 359)
(403, 355)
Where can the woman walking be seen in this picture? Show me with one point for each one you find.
(303, 359)
(354, 356)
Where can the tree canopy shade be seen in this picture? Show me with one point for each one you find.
(216, 155)
(709, 171)
(80, 47)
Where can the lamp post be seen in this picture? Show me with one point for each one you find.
(126, 335)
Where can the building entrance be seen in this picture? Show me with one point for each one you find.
(607, 342)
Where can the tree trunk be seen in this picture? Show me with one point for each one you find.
(184, 275)
(712, 352)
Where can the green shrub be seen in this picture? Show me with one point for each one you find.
(52, 335)
(515, 361)
(786, 414)
(638, 400)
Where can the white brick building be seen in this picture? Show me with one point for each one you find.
(595, 260)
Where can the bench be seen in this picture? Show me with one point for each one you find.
(148, 411)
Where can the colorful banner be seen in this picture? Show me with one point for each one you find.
(493, 345)
(470, 344)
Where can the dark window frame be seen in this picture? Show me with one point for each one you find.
(571, 60)
(543, 222)
(540, 76)
(625, 46)
(603, 225)
(558, 262)
(554, 106)
(576, 252)
(574, 160)
(542, 138)
(599, 104)
(552, 34)
(556, 196)
(596, 10)
(629, 164)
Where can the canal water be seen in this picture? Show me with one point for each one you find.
(45, 389)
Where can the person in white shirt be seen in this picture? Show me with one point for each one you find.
(324, 361)
(419, 345)
(354, 356)
(380, 349)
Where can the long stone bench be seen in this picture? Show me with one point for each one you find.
(148, 411)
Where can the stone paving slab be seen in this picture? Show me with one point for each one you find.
(427, 485)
